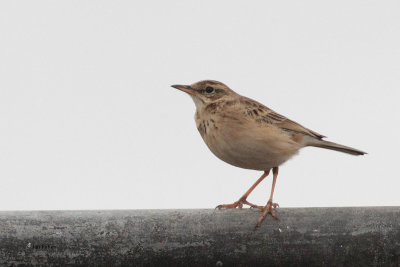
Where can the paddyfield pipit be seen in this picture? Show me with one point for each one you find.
(247, 134)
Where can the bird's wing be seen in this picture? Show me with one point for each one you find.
(264, 114)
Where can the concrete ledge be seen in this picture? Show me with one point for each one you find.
(302, 237)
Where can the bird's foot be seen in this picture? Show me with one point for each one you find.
(238, 204)
(267, 209)
(262, 208)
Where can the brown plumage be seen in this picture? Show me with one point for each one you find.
(247, 134)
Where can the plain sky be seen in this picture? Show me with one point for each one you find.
(88, 119)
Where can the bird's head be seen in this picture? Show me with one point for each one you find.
(206, 92)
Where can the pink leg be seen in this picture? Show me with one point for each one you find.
(269, 208)
(243, 200)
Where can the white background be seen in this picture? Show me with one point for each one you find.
(88, 120)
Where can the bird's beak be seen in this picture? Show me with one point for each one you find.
(184, 88)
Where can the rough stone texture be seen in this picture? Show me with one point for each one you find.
(302, 237)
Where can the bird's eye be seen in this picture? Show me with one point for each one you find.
(209, 89)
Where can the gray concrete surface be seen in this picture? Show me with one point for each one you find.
(302, 237)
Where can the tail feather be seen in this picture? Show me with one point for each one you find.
(336, 147)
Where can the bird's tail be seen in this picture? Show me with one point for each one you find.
(336, 147)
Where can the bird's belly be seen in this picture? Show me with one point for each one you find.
(249, 149)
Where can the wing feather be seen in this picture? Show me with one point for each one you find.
(264, 114)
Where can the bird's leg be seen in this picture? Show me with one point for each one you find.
(269, 208)
(242, 201)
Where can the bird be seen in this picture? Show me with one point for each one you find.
(247, 134)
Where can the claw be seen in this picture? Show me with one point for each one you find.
(268, 209)
(275, 205)
(260, 208)
(228, 206)
(238, 204)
